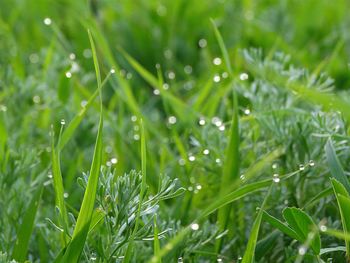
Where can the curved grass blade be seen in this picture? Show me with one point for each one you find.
(76, 246)
(249, 253)
(25, 231)
(130, 247)
(335, 166)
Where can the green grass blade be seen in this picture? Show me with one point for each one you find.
(130, 247)
(335, 166)
(343, 201)
(230, 171)
(82, 227)
(25, 231)
(59, 189)
(223, 48)
(250, 250)
(156, 245)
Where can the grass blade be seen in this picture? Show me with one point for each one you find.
(156, 244)
(25, 231)
(335, 166)
(81, 229)
(250, 250)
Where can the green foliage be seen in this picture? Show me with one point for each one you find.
(230, 97)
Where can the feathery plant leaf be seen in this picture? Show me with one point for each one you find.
(76, 246)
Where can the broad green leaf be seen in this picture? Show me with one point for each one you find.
(335, 166)
(25, 230)
(76, 246)
(283, 227)
(302, 224)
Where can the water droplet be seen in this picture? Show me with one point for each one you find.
(188, 69)
(171, 75)
(302, 250)
(311, 163)
(114, 160)
(323, 228)
(133, 118)
(63, 122)
(49, 175)
(216, 78)
(201, 121)
(65, 195)
(83, 103)
(182, 162)
(242, 177)
(3, 108)
(156, 92)
(202, 43)
(112, 71)
(199, 187)
(108, 149)
(47, 21)
(68, 74)
(219, 260)
(165, 86)
(190, 188)
(217, 160)
(34, 58)
(157, 66)
(87, 53)
(168, 54)
(71, 56)
(191, 158)
(222, 127)
(180, 260)
(129, 75)
(109, 164)
(172, 120)
(247, 111)
(274, 166)
(206, 151)
(243, 76)
(194, 226)
(161, 10)
(276, 178)
(301, 167)
(36, 99)
(224, 75)
(216, 121)
(136, 137)
(217, 61)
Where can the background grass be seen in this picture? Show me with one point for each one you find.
(162, 63)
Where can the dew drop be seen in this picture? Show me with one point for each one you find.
(112, 71)
(49, 175)
(136, 128)
(222, 127)
(172, 120)
(323, 228)
(274, 166)
(72, 56)
(199, 187)
(68, 74)
(114, 160)
(217, 160)
(217, 78)
(63, 122)
(165, 86)
(216, 121)
(224, 75)
(180, 260)
(133, 118)
(156, 92)
(47, 21)
(34, 58)
(171, 75)
(136, 137)
(301, 167)
(194, 226)
(247, 111)
(83, 103)
(206, 151)
(87, 53)
(3, 108)
(65, 195)
(219, 260)
(202, 43)
(201, 121)
(217, 61)
(36, 99)
(242, 177)
(311, 163)
(243, 76)
(302, 250)
(191, 158)
(188, 69)
(182, 162)
(109, 164)
(276, 178)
